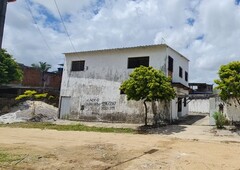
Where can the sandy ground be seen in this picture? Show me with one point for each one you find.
(180, 147)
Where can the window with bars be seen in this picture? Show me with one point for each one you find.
(134, 62)
(78, 65)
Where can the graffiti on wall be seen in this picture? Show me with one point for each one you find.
(92, 102)
(108, 105)
(105, 105)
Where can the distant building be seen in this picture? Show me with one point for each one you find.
(32, 80)
(91, 81)
(32, 77)
(201, 88)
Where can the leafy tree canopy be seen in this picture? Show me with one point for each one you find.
(229, 81)
(9, 69)
(148, 84)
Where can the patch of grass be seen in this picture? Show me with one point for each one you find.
(78, 127)
(8, 158)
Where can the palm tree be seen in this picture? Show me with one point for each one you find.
(43, 67)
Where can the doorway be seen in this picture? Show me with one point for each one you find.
(64, 107)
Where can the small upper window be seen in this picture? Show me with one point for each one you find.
(180, 72)
(78, 65)
(170, 64)
(138, 61)
(186, 76)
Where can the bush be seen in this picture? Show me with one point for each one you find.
(220, 119)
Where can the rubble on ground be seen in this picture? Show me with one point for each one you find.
(35, 111)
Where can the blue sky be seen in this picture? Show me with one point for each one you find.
(206, 32)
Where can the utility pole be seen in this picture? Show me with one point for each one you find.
(3, 8)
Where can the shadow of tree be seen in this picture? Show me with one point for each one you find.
(133, 158)
(190, 119)
(165, 130)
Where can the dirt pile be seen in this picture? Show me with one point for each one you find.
(35, 111)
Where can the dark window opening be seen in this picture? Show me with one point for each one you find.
(78, 65)
(186, 76)
(179, 104)
(180, 72)
(138, 61)
(170, 64)
(185, 102)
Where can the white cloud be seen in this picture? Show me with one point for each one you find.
(94, 24)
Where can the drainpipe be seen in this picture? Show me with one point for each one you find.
(170, 108)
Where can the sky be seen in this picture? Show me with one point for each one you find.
(207, 32)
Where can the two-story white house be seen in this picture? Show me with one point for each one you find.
(91, 81)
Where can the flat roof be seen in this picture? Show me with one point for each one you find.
(124, 48)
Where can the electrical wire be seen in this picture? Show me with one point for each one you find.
(64, 26)
(35, 22)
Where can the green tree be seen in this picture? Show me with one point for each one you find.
(229, 82)
(9, 69)
(148, 84)
(43, 67)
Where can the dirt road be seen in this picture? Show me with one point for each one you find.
(50, 149)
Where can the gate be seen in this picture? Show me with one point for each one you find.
(65, 107)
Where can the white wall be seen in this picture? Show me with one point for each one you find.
(178, 61)
(199, 106)
(174, 107)
(112, 65)
(97, 87)
(232, 111)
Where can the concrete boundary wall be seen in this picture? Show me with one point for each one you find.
(199, 106)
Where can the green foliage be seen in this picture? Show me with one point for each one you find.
(220, 119)
(40, 96)
(31, 95)
(43, 66)
(8, 158)
(229, 81)
(149, 84)
(50, 97)
(9, 69)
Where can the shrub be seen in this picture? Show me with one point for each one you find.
(41, 96)
(220, 119)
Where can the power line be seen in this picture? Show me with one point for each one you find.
(35, 22)
(64, 26)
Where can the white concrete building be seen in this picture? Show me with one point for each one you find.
(91, 81)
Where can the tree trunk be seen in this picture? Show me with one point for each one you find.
(145, 105)
(43, 82)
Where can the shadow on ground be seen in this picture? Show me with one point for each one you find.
(165, 130)
(133, 158)
(190, 119)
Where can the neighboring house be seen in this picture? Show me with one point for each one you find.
(32, 80)
(202, 99)
(199, 95)
(32, 77)
(200, 88)
(91, 81)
